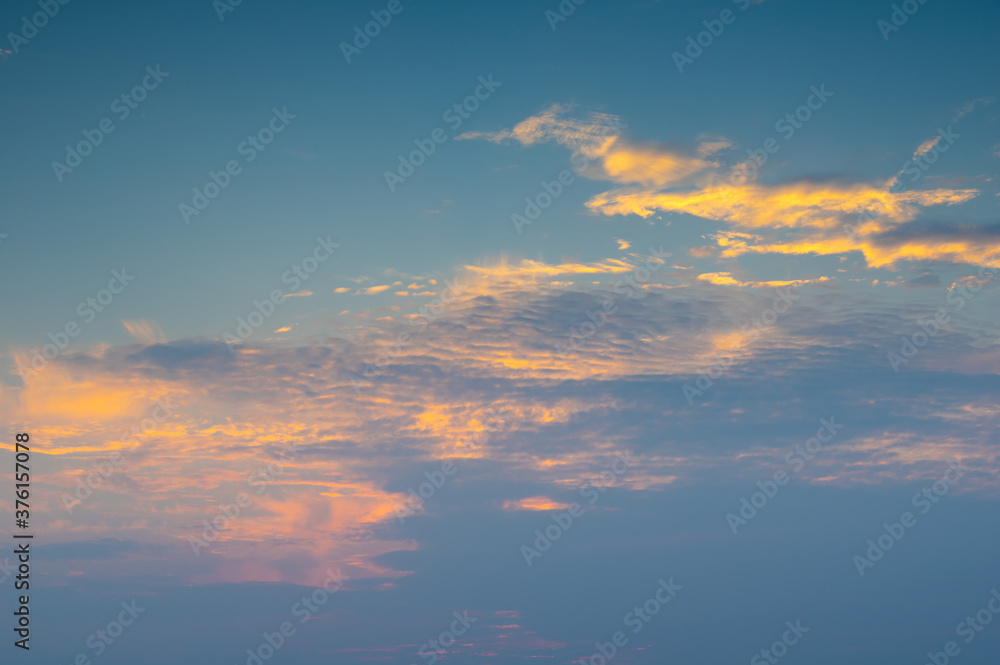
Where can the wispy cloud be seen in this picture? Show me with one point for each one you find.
(144, 331)
(970, 106)
(793, 217)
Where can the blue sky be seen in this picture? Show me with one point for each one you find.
(656, 306)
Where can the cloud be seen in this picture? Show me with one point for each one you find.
(555, 124)
(568, 406)
(789, 205)
(887, 248)
(535, 503)
(795, 217)
(371, 290)
(653, 166)
(968, 107)
(527, 269)
(824, 218)
(926, 146)
(726, 279)
(597, 137)
(712, 146)
(145, 331)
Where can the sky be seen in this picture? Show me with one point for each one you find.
(437, 332)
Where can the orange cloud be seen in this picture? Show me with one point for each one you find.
(597, 138)
(371, 290)
(829, 217)
(535, 503)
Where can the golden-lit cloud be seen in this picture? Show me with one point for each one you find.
(880, 254)
(503, 273)
(652, 166)
(824, 218)
(371, 290)
(726, 279)
(602, 152)
(60, 394)
(500, 349)
(528, 268)
(329, 503)
(795, 217)
(535, 503)
(926, 146)
(791, 205)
